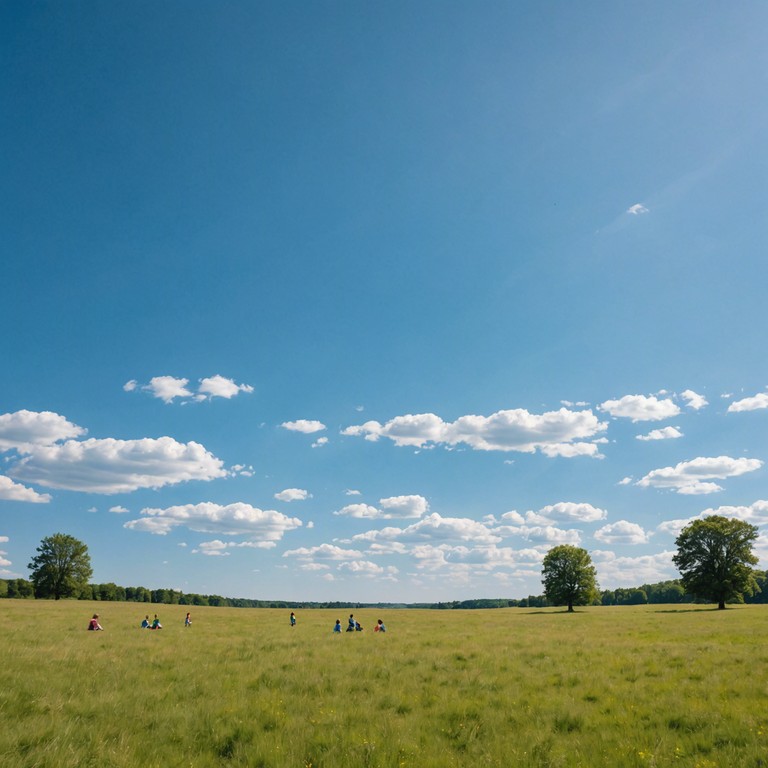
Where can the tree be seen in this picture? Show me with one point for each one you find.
(61, 568)
(714, 557)
(569, 576)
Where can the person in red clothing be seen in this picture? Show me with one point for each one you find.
(94, 622)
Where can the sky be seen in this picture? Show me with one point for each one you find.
(379, 302)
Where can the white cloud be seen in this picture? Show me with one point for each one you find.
(692, 477)
(694, 400)
(324, 552)
(393, 507)
(307, 426)
(755, 513)
(667, 433)
(320, 442)
(572, 512)
(218, 548)
(755, 403)
(351, 492)
(554, 432)
(622, 532)
(614, 572)
(625, 481)
(640, 408)
(25, 430)
(131, 385)
(207, 517)
(4, 539)
(10, 491)
(434, 528)
(367, 568)
(673, 527)
(358, 511)
(167, 388)
(637, 209)
(218, 386)
(119, 510)
(541, 534)
(117, 466)
(293, 494)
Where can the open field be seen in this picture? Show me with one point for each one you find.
(640, 686)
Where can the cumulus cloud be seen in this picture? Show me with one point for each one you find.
(640, 408)
(557, 433)
(351, 492)
(667, 433)
(622, 532)
(358, 511)
(10, 491)
(293, 494)
(541, 534)
(218, 548)
(755, 403)
(434, 528)
(168, 388)
(694, 400)
(117, 466)
(119, 510)
(207, 517)
(218, 386)
(25, 430)
(367, 568)
(393, 507)
(307, 426)
(324, 552)
(694, 477)
(755, 513)
(637, 209)
(614, 572)
(320, 442)
(569, 511)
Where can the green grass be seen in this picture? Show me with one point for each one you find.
(639, 686)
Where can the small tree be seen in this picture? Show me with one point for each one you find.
(569, 576)
(714, 557)
(61, 568)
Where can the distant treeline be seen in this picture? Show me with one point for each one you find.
(663, 592)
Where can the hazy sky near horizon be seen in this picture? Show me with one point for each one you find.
(379, 302)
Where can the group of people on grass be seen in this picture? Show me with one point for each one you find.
(353, 625)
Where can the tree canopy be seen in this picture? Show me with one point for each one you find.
(61, 568)
(568, 576)
(715, 559)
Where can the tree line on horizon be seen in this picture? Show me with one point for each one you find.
(714, 557)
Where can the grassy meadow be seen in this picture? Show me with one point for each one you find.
(624, 686)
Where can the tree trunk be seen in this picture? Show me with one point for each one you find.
(570, 607)
(721, 605)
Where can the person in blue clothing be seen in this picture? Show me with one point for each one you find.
(145, 623)
(380, 627)
(351, 623)
(337, 627)
(293, 619)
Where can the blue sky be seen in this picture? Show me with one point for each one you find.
(367, 302)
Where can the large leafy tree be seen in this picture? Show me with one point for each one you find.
(715, 559)
(61, 568)
(568, 576)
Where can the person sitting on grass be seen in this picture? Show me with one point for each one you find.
(188, 620)
(380, 627)
(293, 619)
(145, 622)
(351, 623)
(337, 627)
(358, 628)
(156, 623)
(93, 624)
